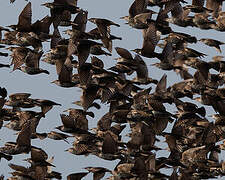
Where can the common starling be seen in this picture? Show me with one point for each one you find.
(215, 6)
(150, 41)
(212, 43)
(19, 56)
(24, 21)
(46, 105)
(103, 26)
(58, 7)
(83, 50)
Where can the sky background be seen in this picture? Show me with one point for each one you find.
(40, 85)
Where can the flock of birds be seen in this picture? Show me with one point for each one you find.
(135, 100)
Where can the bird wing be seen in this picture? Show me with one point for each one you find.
(25, 16)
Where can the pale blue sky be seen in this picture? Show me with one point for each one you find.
(40, 87)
